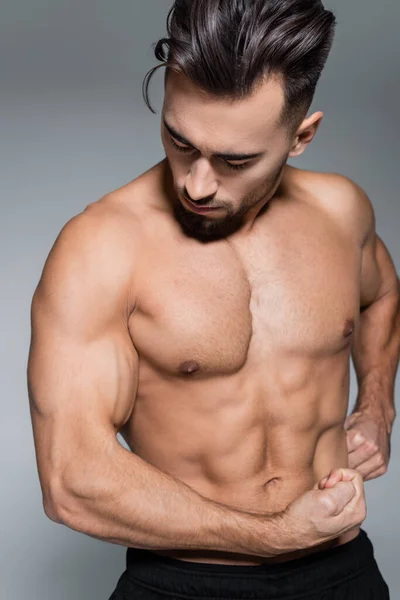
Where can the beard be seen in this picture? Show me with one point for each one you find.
(206, 229)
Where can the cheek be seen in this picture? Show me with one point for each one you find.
(247, 183)
(254, 184)
(265, 175)
(179, 172)
(242, 187)
(177, 166)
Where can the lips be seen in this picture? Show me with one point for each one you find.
(199, 207)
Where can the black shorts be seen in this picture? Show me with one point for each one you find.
(345, 572)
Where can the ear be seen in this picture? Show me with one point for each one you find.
(305, 133)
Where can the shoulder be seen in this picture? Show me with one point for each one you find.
(342, 199)
(96, 252)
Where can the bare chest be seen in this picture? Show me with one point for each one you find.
(207, 309)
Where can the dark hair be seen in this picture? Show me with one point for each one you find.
(228, 47)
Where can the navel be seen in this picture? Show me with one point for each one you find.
(189, 367)
(348, 328)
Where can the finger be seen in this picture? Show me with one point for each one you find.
(340, 496)
(348, 423)
(351, 420)
(371, 465)
(361, 455)
(323, 482)
(358, 483)
(336, 475)
(333, 478)
(377, 473)
(357, 460)
(349, 475)
(354, 440)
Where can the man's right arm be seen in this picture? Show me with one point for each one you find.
(82, 381)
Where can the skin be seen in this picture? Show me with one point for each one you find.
(242, 195)
(242, 320)
(286, 369)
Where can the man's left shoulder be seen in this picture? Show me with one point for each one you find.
(345, 201)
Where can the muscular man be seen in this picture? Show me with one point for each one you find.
(207, 311)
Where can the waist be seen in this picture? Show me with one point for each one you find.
(318, 571)
(282, 478)
(226, 558)
(274, 497)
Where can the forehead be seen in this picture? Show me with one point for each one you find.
(200, 115)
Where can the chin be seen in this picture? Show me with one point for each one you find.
(203, 227)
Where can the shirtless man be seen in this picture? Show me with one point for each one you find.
(207, 311)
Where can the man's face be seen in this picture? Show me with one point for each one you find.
(222, 154)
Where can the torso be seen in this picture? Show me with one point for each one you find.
(244, 348)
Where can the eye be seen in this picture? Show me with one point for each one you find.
(237, 167)
(180, 148)
(187, 149)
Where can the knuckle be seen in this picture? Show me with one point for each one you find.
(328, 504)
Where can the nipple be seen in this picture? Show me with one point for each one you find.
(188, 367)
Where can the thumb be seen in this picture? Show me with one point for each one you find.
(336, 475)
(320, 484)
(338, 497)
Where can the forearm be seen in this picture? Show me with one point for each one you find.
(376, 355)
(138, 505)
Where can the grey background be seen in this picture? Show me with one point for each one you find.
(74, 127)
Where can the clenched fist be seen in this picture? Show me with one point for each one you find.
(335, 505)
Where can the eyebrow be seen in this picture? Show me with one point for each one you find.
(224, 155)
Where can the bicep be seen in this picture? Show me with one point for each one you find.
(82, 367)
(378, 273)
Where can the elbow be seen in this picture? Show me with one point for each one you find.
(76, 493)
(59, 505)
(75, 502)
(53, 513)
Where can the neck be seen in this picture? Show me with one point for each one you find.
(260, 208)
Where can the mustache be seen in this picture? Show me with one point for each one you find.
(201, 202)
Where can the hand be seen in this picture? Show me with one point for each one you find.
(368, 443)
(334, 506)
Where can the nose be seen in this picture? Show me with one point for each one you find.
(200, 183)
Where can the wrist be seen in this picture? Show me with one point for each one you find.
(267, 534)
(278, 533)
(390, 419)
(384, 412)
